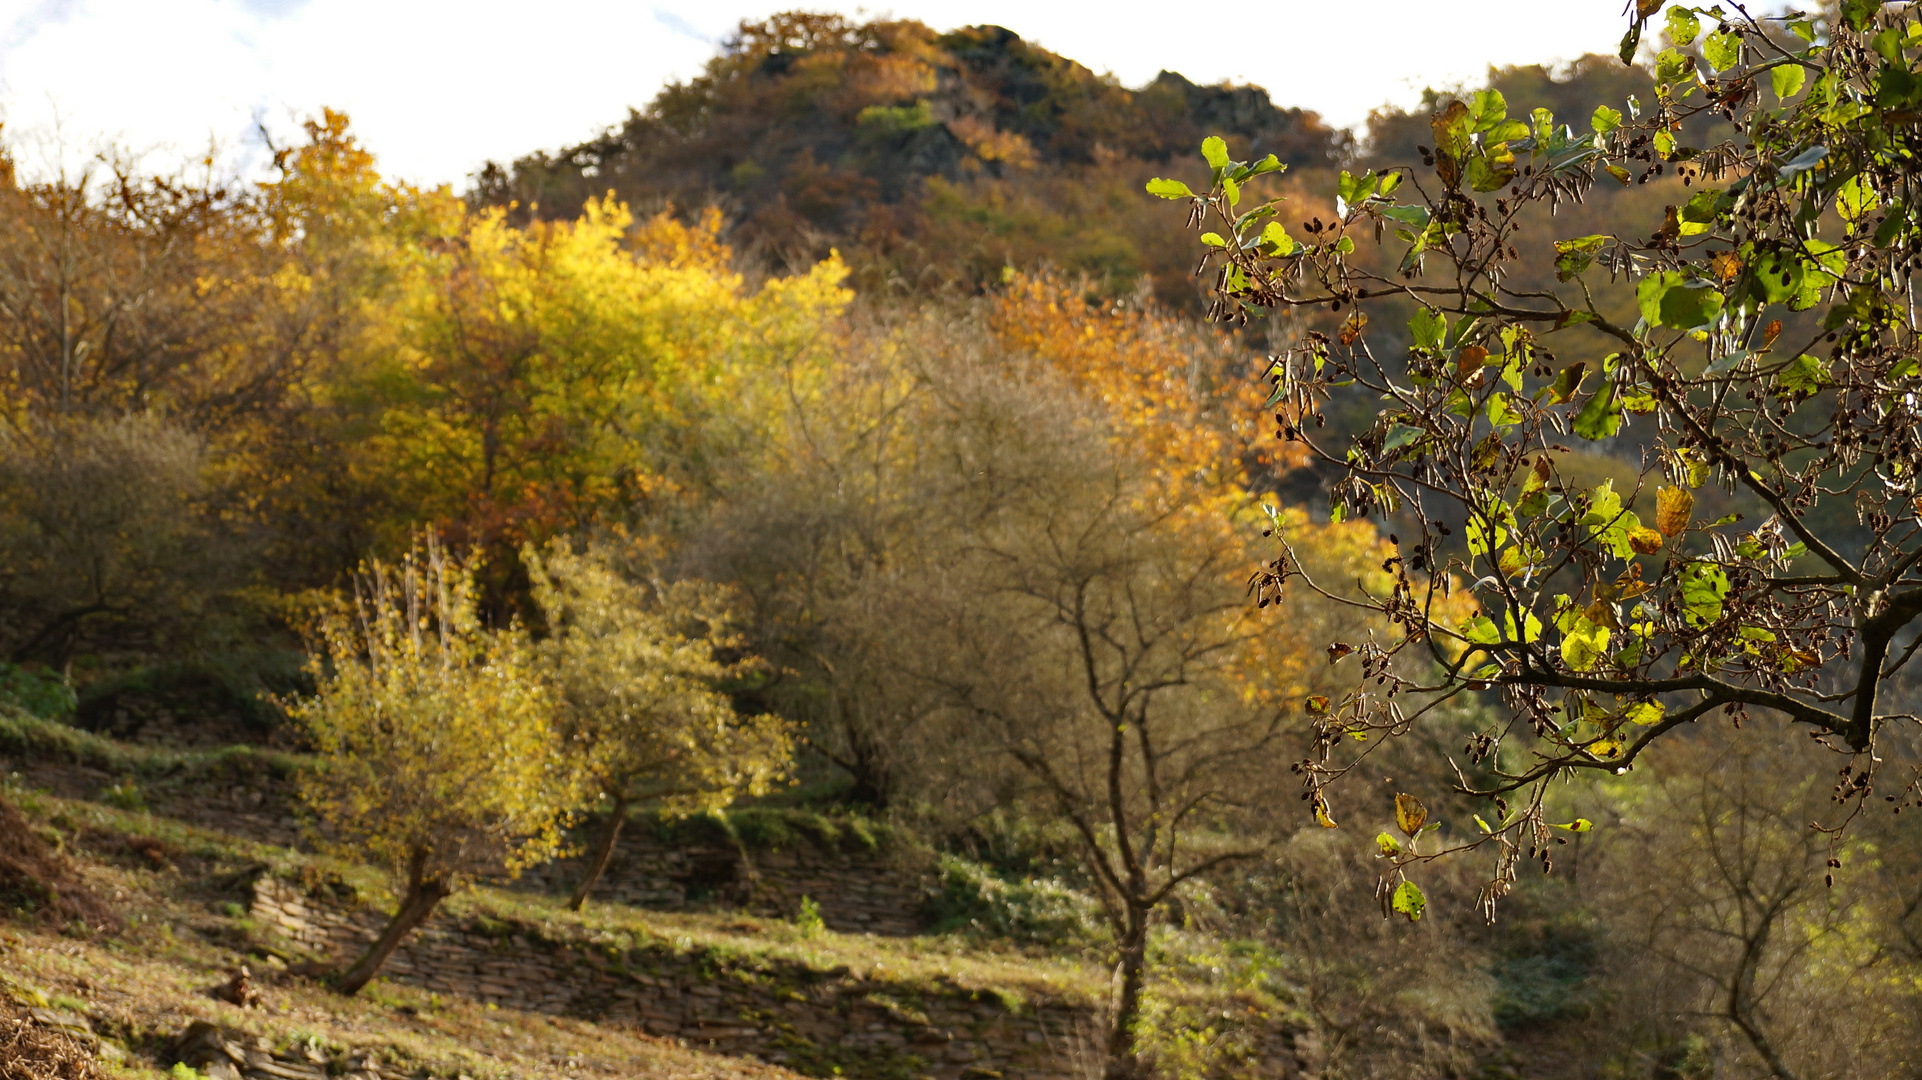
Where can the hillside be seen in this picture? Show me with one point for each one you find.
(702, 974)
(926, 157)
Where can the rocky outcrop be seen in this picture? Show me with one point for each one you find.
(226, 1055)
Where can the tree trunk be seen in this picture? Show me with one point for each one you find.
(415, 907)
(603, 853)
(1132, 966)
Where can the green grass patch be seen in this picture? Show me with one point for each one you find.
(25, 735)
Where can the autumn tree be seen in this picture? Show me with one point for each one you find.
(531, 380)
(122, 292)
(639, 677)
(1768, 361)
(439, 756)
(103, 538)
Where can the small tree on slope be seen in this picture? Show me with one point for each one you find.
(439, 753)
(636, 682)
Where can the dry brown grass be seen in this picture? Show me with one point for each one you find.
(39, 881)
(29, 1051)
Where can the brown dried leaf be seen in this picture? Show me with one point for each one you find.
(1410, 814)
(1351, 328)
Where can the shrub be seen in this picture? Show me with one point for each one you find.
(36, 690)
(970, 896)
(808, 920)
(232, 689)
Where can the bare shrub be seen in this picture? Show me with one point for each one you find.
(101, 538)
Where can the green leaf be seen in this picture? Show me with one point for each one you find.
(1408, 215)
(1888, 44)
(1485, 175)
(1704, 584)
(1722, 51)
(1500, 412)
(1387, 844)
(1486, 108)
(1804, 375)
(1584, 643)
(1399, 436)
(1703, 206)
(1215, 151)
(1787, 80)
(1213, 239)
(1568, 382)
(1266, 165)
(1672, 66)
(1856, 197)
(1507, 131)
(1428, 327)
(1352, 189)
(1859, 13)
(1579, 825)
(1601, 418)
(1409, 900)
(1609, 524)
(1605, 119)
(1574, 256)
(1670, 298)
(1277, 238)
(1683, 26)
(1629, 42)
(1169, 189)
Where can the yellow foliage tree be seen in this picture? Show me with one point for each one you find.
(637, 681)
(534, 378)
(439, 753)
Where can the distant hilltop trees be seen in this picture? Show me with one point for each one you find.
(928, 158)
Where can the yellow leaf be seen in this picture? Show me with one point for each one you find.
(1321, 815)
(1644, 713)
(1644, 540)
(1673, 507)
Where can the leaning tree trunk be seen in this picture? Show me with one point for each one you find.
(603, 851)
(423, 894)
(1132, 965)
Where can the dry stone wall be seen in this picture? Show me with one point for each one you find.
(857, 893)
(776, 1011)
(828, 1022)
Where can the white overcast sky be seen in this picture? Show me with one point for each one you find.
(436, 87)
